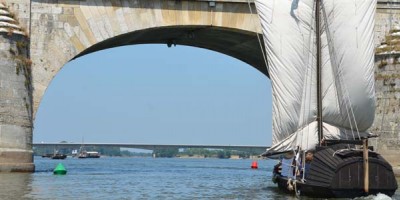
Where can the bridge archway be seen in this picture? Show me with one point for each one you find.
(242, 45)
(193, 94)
(69, 29)
(62, 30)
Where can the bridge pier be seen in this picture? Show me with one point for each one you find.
(16, 153)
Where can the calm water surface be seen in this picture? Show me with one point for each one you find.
(146, 178)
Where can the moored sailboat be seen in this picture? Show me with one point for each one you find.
(321, 64)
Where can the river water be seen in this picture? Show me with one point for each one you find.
(146, 178)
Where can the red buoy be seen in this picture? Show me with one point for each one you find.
(254, 165)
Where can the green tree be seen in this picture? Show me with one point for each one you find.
(166, 153)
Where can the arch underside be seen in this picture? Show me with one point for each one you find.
(239, 44)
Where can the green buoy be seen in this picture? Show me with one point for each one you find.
(60, 170)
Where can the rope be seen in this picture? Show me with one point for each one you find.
(337, 151)
(338, 81)
(306, 90)
(310, 70)
(288, 169)
(264, 54)
(347, 95)
(304, 166)
(340, 150)
(289, 184)
(258, 37)
(297, 192)
(296, 169)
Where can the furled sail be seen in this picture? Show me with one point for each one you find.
(347, 54)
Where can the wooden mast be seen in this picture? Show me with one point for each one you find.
(319, 99)
(319, 87)
(366, 165)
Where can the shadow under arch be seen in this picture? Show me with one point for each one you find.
(243, 45)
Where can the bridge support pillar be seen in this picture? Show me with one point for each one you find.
(16, 153)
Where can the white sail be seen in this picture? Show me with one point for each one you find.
(348, 63)
(347, 69)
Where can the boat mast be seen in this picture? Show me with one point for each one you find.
(319, 88)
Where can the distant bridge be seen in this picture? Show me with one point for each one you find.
(245, 148)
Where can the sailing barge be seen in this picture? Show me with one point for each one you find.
(320, 57)
(340, 175)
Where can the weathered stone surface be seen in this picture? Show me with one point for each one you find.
(15, 105)
(387, 87)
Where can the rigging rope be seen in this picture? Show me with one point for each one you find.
(313, 60)
(258, 37)
(304, 166)
(339, 82)
(264, 54)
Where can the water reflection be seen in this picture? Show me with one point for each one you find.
(15, 185)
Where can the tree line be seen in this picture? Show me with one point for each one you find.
(202, 152)
(161, 153)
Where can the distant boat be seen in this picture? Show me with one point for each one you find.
(58, 156)
(54, 155)
(89, 154)
(47, 155)
(83, 153)
(74, 153)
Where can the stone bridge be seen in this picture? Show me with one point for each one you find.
(38, 37)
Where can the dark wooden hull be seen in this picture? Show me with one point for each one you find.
(89, 156)
(340, 175)
(59, 156)
(304, 189)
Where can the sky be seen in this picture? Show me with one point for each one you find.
(156, 95)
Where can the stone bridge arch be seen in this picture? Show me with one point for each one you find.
(64, 30)
(38, 37)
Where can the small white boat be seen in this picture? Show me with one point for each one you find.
(89, 154)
